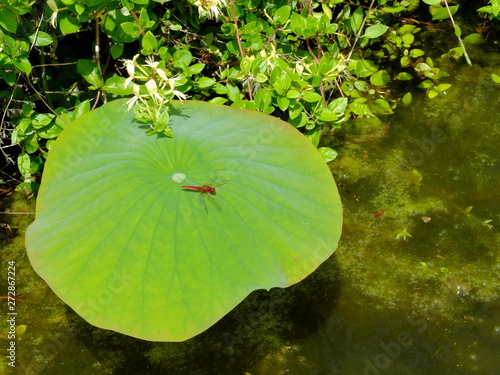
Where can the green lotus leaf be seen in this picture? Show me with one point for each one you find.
(119, 240)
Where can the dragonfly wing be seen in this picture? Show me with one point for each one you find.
(203, 201)
(214, 182)
(213, 201)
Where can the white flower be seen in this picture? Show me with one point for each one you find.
(135, 98)
(180, 95)
(151, 62)
(151, 87)
(137, 90)
(130, 68)
(212, 7)
(53, 19)
(171, 82)
(162, 74)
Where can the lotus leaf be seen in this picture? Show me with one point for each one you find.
(119, 241)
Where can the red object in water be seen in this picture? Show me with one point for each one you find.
(379, 213)
(207, 191)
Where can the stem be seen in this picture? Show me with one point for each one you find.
(358, 34)
(458, 36)
(238, 39)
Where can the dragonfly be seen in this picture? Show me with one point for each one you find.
(207, 192)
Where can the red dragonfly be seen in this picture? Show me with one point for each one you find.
(207, 191)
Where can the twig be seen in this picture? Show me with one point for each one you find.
(457, 33)
(358, 34)
(238, 39)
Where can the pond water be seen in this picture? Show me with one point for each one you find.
(414, 287)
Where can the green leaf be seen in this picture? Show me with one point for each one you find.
(69, 24)
(381, 106)
(293, 94)
(79, 8)
(495, 78)
(80, 109)
(115, 85)
(407, 98)
(364, 68)
(144, 20)
(24, 164)
(42, 119)
(90, 72)
(375, 31)
(282, 15)
(432, 2)
(311, 97)
(117, 50)
(328, 153)
(196, 68)
(298, 23)
(8, 20)
(131, 29)
(149, 43)
(425, 84)
(408, 39)
(432, 94)
(474, 38)
(380, 78)
(356, 19)
(442, 14)
(23, 64)
(205, 82)
(314, 136)
(443, 87)
(283, 103)
(146, 259)
(328, 116)
(42, 39)
(338, 105)
(404, 76)
(405, 61)
(182, 59)
(9, 77)
(10, 46)
(415, 52)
